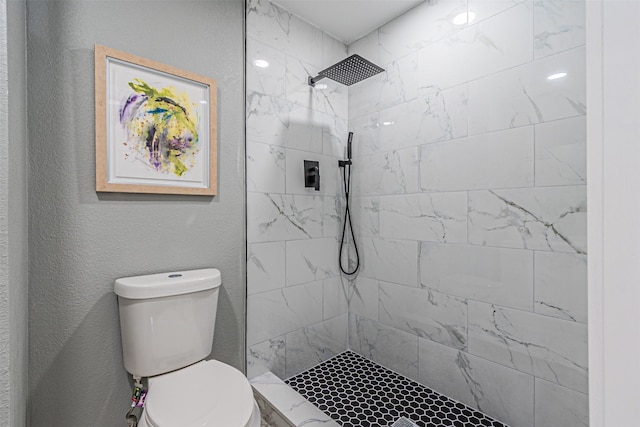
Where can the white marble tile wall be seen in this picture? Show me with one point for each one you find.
(469, 203)
(426, 313)
(496, 390)
(390, 347)
(297, 303)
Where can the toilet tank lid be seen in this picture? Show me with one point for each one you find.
(167, 284)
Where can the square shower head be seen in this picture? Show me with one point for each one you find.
(349, 71)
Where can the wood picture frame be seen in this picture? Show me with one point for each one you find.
(156, 127)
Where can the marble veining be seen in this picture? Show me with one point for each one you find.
(439, 217)
(558, 25)
(469, 203)
(425, 313)
(549, 348)
(266, 356)
(283, 217)
(548, 218)
(314, 344)
(390, 347)
(298, 410)
(500, 392)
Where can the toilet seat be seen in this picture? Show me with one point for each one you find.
(206, 394)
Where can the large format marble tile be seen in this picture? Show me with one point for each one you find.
(298, 90)
(561, 285)
(425, 313)
(265, 168)
(549, 348)
(439, 217)
(393, 261)
(397, 84)
(400, 81)
(278, 122)
(561, 152)
(443, 114)
(560, 406)
(272, 217)
(390, 347)
(484, 9)
(438, 116)
(496, 160)
(364, 96)
(365, 214)
(290, 403)
(265, 267)
(310, 260)
(278, 28)
(524, 95)
(544, 218)
(366, 136)
(363, 297)
(367, 47)
(335, 132)
(496, 275)
(496, 44)
(274, 313)
(268, 23)
(332, 216)
(266, 356)
(425, 24)
(335, 293)
(330, 97)
(558, 25)
(392, 172)
(333, 50)
(306, 347)
(500, 392)
(265, 80)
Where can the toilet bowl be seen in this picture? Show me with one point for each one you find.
(167, 325)
(206, 394)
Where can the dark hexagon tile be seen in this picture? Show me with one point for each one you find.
(356, 392)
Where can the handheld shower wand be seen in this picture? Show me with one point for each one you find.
(346, 177)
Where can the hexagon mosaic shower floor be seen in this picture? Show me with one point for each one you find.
(357, 392)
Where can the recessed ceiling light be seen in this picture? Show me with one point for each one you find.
(261, 63)
(464, 18)
(557, 76)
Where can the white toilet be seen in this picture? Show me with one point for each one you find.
(167, 323)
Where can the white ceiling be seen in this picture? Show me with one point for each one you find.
(347, 20)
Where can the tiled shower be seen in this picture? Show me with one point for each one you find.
(469, 203)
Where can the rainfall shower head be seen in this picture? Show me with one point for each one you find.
(348, 71)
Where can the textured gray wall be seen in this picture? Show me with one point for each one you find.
(5, 332)
(81, 241)
(13, 240)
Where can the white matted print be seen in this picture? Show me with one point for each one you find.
(155, 127)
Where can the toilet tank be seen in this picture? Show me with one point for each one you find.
(167, 320)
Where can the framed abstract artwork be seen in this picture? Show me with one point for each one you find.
(156, 129)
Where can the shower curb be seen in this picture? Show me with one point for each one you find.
(288, 405)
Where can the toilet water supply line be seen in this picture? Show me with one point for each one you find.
(137, 401)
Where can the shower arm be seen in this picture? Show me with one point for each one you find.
(313, 80)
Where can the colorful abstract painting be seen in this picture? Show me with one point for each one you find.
(155, 127)
(161, 126)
